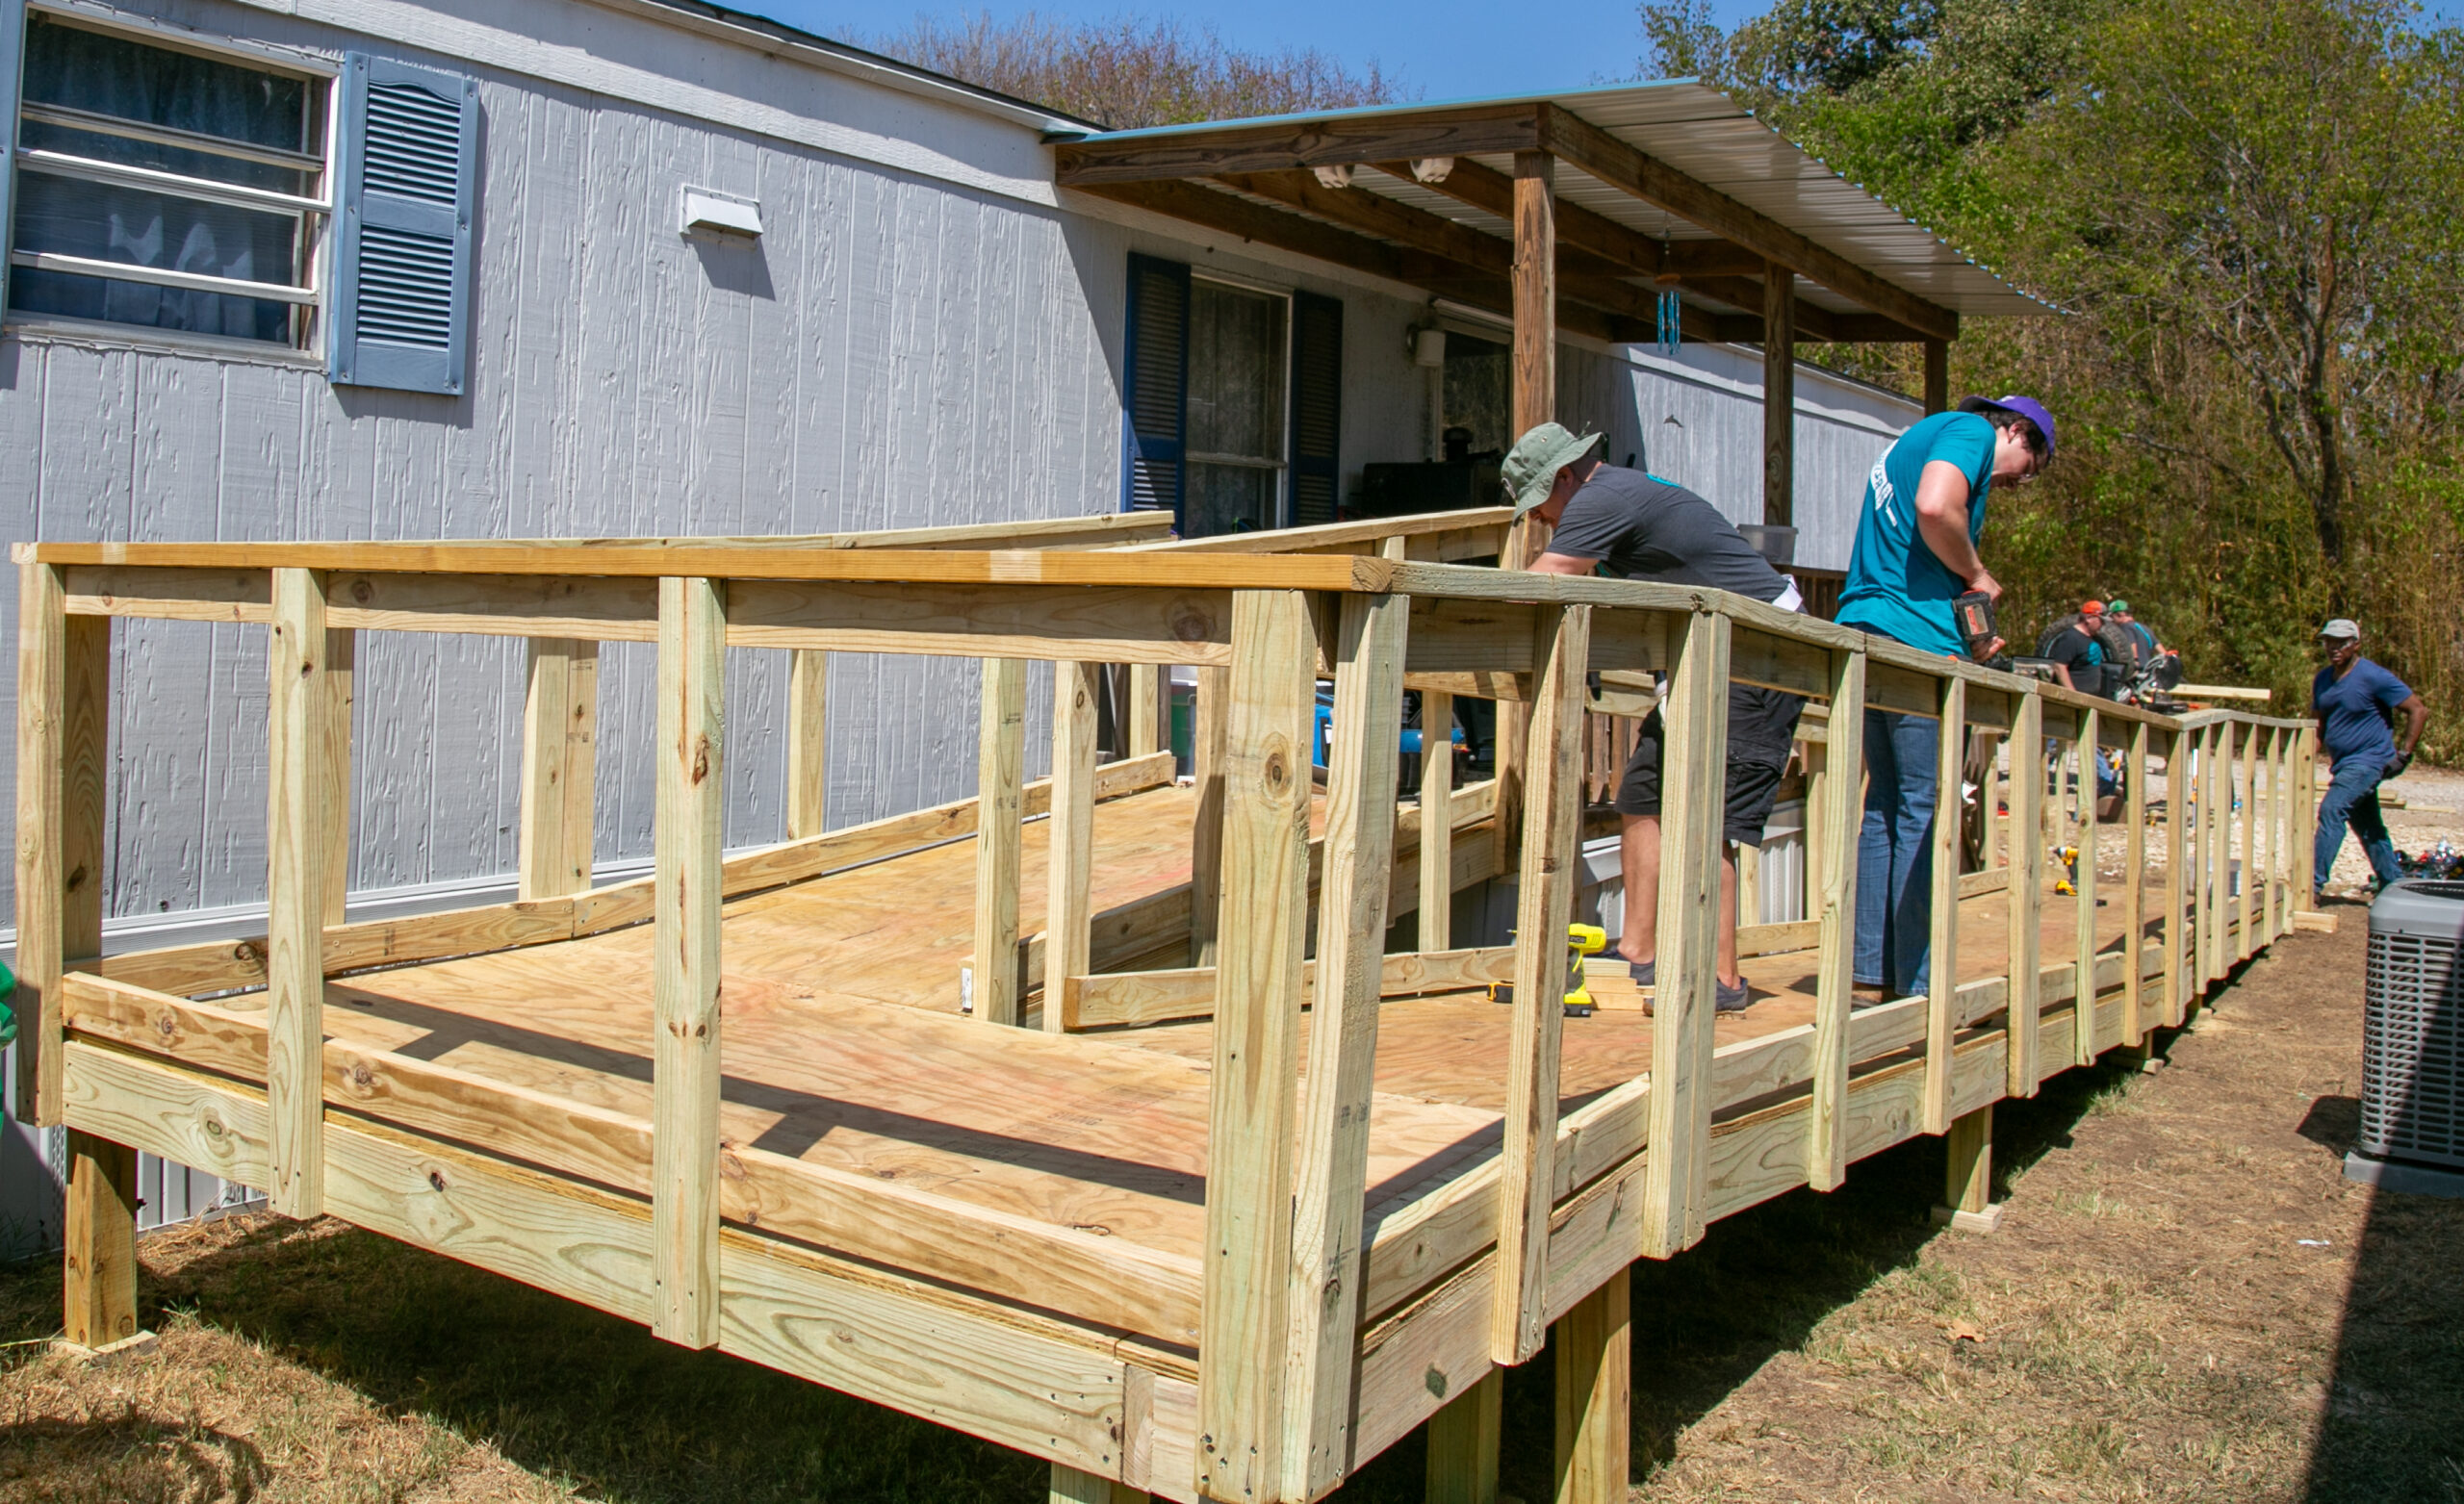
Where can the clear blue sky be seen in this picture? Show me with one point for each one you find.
(1445, 49)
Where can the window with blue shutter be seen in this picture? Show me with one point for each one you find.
(1316, 406)
(402, 243)
(1155, 387)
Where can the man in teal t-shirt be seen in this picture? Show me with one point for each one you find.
(1915, 553)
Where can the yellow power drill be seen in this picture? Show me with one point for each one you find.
(1582, 941)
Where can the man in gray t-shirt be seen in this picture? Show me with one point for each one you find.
(1633, 525)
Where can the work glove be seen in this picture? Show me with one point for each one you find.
(2396, 768)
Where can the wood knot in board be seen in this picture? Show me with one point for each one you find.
(1192, 622)
(1275, 769)
(363, 590)
(167, 1024)
(76, 877)
(361, 1077)
(436, 1180)
(1436, 1380)
(701, 757)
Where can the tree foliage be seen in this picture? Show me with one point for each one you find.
(2243, 212)
(1130, 73)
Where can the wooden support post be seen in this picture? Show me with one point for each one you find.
(64, 710)
(1942, 966)
(1069, 1485)
(2213, 875)
(342, 663)
(2252, 874)
(1967, 1190)
(1146, 709)
(1692, 797)
(1245, 1313)
(98, 1291)
(560, 767)
(2024, 1058)
(1000, 782)
(1938, 376)
(1535, 402)
(2283, 842)
(2177, 799)
(1778, 395)
(684, 1053)
(1437, 825)
(1358, 864)
(298, 805)
(1594, 1347)
(1835, 809)
(1069, 870)
(1547, 872)
(2083, 1035)
(1463, 1437)
(1213, 691)
(2135, 1020)
(2306, 824)
(1749, 884)
(808, 742)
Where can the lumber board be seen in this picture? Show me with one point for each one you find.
(64, 693)
(808, 743)
(334, 745)
(1114, 999)
(1689, 896)
(1463, 1443)
(1212, 692)
(1121, 623)
(1942, 970)
(1436, 898)
(2247, 769)
(2085, 753)
(1332, 1155)
(1839, 774)
(1246, 1315)
(298, 804)
(2134, 882)
(1547, 872)
(1478, 522)
(2024, 1057)
(560, 769)
(98, 1280)
(1000, 779)
(1594, 1343)
(686, 1023)
(1070, 859)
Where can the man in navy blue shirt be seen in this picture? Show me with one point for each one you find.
(2354, 700)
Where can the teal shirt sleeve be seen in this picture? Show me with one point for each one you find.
(1969, 444)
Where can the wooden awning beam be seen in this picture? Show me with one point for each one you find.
(1628, 250)
(1586, 145)
(1271, 148)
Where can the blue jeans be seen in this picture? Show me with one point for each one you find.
(2352, 798)
(1896, 852)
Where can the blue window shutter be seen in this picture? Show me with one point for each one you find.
(408, 182)
(1316, 406)
(12, 57)
(1155, 387)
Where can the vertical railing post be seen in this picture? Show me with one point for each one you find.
(298, 807)
(2091, 759)
(1333, 1171)
(1436, 859)
(2177, 883)
(64, 702)
(1545, 876)
(1145, 711)
(560, 767)
(1069, 868)
(2214, 873)
(341, 665)
(2248, 912)
(2134, 897)
(1207, 731)
(1836, 812)
(2026, 987)
(1000, 782)
(2305, 821)
(1942, 969)
(1693, 786)
(1244, 1308)
(808, 742)
(684, 1056)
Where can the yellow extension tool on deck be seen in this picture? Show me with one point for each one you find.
(1582, 941)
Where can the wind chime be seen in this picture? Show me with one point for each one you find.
(1670, 311)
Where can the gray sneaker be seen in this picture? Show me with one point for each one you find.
(1731, 999)
(1641, 972)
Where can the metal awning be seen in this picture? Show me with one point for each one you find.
(1677, 187)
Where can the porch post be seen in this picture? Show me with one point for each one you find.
(1778, 395)
(1535, 401)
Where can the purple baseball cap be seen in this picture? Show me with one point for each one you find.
(2026, 407)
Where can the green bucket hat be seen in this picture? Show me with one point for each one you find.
(1532, 466)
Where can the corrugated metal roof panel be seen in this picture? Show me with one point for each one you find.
(1708, 136)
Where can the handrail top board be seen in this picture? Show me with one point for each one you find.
(1027, 566)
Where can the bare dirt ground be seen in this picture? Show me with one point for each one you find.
(2186, 1301)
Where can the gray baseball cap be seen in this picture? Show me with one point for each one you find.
(2340, 626)
(1531, 467)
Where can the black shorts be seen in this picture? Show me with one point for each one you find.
(1761, 724)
